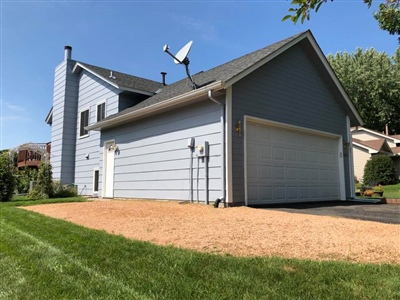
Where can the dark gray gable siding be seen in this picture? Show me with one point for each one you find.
(63, 129)
(92, 91)
(222, 72)
(153, 158)
(288, 89)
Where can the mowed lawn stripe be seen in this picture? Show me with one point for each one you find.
(45, 258)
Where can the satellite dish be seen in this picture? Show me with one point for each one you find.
(183, 53)
(182, 59)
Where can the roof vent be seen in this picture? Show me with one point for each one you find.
(163, 77)
(112, 75)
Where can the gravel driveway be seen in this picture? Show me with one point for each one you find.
(241, 231)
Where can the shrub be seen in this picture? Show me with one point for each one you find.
(44, 187)
(24, 177)
(380, 169)
(63, 191)
(7, 180)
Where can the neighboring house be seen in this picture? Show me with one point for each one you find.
(32, 155)
(367, 143)
(268, 127)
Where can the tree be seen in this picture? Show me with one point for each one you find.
(380, 170)
(372, 81)
(44, 187)
(388, 16)
(7, 181)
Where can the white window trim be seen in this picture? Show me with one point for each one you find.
(79, 122)
(105, 110)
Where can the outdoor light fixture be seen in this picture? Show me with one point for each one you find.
(238, 128)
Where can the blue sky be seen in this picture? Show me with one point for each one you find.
(128, 36)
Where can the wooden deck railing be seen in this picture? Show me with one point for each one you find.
(32, 158)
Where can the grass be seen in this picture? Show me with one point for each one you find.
(392, 191)
(45, 258)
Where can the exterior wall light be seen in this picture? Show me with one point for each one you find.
(238, 128)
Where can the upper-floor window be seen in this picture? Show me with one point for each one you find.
(101, 111)
(84, 123)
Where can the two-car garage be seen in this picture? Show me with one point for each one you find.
(285, 164)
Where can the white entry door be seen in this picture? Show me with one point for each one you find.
(287, 165)
(108, 182)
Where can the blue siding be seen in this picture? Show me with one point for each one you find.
(153, 159)
(63, 129)
(288, 89)
(92, 91)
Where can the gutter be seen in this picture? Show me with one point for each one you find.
(158, 107)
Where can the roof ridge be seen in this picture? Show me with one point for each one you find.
(108, 69)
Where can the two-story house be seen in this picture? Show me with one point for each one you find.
(272, 126)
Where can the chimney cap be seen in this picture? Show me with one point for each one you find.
(67, 48)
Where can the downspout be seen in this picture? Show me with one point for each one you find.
(223, 183)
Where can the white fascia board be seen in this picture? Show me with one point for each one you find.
(155, 108)
(78, 65)
(386, 137)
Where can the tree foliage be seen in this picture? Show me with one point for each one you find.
(44, 187)
(388, 15)
(7, 181)
(24, 177)
(380, 169)
(372, 81)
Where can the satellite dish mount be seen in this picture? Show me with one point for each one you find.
(182, 58)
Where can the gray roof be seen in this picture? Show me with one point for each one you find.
(222, 72)
(125, 81)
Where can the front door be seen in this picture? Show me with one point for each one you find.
(108, 183)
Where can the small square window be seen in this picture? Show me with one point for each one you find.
(84, 122)
(101, 111)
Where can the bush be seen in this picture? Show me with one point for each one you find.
(7, 180)
(63, 191)
(380, 169)
(44, 187)
(24, 177)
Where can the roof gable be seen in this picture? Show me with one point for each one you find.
(231, 72)
(374, 146)
(121, 80)
(393, 138)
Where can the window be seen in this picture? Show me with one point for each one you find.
(84, 122)
(96, 181)
(101, 111)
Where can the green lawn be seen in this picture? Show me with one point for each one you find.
(392, 191)
(45, 258)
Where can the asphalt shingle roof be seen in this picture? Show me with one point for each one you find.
(123, 80)
(373, 144)
(222, 72)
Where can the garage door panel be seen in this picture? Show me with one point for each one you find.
(265, 172)
(286, 165)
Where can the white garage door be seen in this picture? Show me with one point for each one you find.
(287, 165)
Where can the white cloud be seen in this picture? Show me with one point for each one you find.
(13, 107)
(206, 31)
